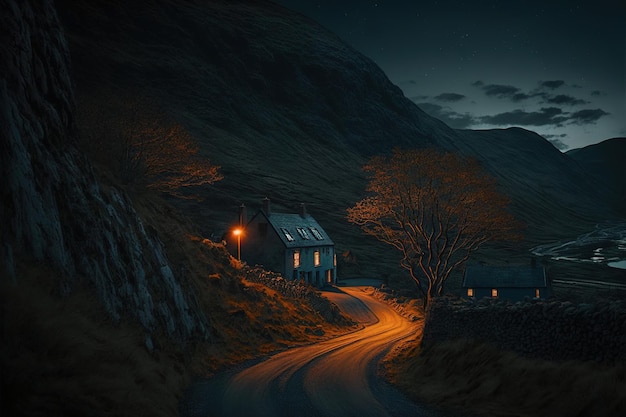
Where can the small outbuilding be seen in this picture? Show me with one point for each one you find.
(292, 244)
(512, 283)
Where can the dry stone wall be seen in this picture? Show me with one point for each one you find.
(298, 290)
(551, 330)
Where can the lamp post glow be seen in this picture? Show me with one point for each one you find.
(237, 232)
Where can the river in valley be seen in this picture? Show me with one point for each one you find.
(606, 244)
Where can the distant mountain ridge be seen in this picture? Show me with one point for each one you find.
(606, 161)
(291, 112)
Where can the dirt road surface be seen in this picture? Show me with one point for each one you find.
(335, 377)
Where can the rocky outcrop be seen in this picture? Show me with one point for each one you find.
(551, 330)
(53, 210)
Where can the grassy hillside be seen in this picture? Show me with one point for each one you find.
(605, 161)
(60, 355)
(291, 112)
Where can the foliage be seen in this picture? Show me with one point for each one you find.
(435, 208)
(142, 145)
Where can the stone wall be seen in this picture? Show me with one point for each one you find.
(549, 330)
(298, 290)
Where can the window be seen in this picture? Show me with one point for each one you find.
(494, 292)
(296, 259)
(316, 233)
(537, 293)
(287, 234)
(335, 259)
(303, 233)
(470, 292)
(316, 258)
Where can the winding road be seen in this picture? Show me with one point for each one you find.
(336, 377)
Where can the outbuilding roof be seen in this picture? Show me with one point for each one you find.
(504, 276)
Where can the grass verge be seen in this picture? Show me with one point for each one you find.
(466, 376)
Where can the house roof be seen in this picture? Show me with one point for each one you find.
(507, 276)
(297, 231)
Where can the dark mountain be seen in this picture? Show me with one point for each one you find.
(606, 161)
(291, 112)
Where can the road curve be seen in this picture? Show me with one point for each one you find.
(335, 377)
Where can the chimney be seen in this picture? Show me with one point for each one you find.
(302, 210)
(266, 206)
(243, 215)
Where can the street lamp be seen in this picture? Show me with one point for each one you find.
(237, 232)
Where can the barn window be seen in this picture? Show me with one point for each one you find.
(537, 293)
(335, 259)
(470, 292)
(316, 258)
(287, 234)
(494, 292)
(296, 259)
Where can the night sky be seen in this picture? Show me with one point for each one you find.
(554, 67)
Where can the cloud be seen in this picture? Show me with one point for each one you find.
(448, 116)
(556, 141)
(520, 96)
(552, 85)
(587, 116)
(545, 116)
(450, 97)
(500, 91)
(564, 99)
(597, 93)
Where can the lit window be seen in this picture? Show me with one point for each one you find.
(287, 234)
(494, 292)
(316, 258)
(316, 233)
(536, 292)
(296, 259)
(303, 233)
(335, 259)
(470, 292)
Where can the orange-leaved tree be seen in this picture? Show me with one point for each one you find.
(436, 208)
(141, 144)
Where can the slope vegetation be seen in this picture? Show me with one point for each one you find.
(605, 161)
(291, 112)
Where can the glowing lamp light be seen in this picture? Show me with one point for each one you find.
(237, 232)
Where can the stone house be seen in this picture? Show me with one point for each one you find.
(292, 244)
(512, 283)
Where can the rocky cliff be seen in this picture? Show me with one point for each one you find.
(52, 210)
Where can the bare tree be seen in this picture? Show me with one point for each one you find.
(436, 209)
(142, 145)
